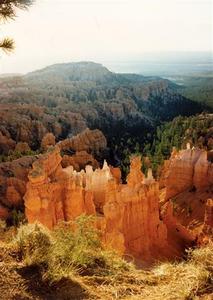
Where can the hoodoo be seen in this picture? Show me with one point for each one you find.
(130, 216)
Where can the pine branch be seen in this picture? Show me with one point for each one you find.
(7, 7)
(7, 45)
(8, 11)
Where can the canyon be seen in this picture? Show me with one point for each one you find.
(14, 174)
(143, 218)
(65, 99)
(52, 153)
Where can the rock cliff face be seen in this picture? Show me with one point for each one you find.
(137, 218)
(129, 215)
(84, 147)
(91, 141)
(209, 213)
(208, 220)
(187, 169)
(54, 194)
(188, 181)
(206, 231)
(14, 175)
(79, 161)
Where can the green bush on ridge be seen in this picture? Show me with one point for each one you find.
(73, 247)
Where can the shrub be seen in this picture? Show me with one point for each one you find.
(71, 248)
(34, 242)
(74, 249)
(77, 246)
(77, 241)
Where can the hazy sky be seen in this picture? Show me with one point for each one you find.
(71, 30)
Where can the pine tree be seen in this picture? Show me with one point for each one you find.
(8, 11)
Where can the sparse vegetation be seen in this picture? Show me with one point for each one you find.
(72, 264)
(13, 155)
(69, 248)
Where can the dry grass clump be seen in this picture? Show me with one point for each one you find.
(187, 280)
(203, 257)
(182, 281)
(33, 241)
(67, 251)
(77, 255)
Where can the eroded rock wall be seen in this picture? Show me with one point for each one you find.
(187, 169)
(14, 175)
(128, 215)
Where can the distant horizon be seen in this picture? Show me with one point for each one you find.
(166, 58)
(105, 30)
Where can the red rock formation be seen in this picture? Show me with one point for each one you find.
(187, 169)
(128, 214)
(14, 175)
(79, 161)
(205, 235)
(52, 195)
(201, 170)
(188, 178)
(4, 213)
(97, 182)
(116, 173)
(178, 237)
(135, 177)
(208, 220)
(132, 214)
(113, 216)
(15, 191)
(91, 141)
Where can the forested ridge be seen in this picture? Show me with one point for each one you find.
(157, 147)
(199, 88)
(64, 99)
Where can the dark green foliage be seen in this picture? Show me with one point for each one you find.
(7, 7)
(12, 155)
(196, 130)
(198, 88)
(17, 218)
